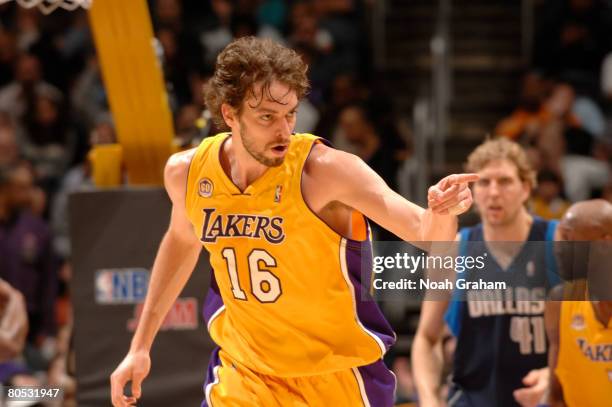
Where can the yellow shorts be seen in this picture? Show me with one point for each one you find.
(230, 384)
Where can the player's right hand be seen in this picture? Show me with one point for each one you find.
(135, 367)
(451, 195)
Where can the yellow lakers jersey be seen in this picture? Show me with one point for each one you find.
(584, 364)
(286, 297)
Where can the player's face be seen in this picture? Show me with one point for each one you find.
(499, 194)
(267, 121)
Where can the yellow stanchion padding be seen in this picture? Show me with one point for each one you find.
(106, 161)
(123, 34)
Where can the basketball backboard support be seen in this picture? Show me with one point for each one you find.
(48, 6)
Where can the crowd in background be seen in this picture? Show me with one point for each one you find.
(53, 107)
(564, 113)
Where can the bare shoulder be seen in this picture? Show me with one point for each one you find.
(326, 164)
(177, 165)
(335, 175)
(176, 172)
(319, 156)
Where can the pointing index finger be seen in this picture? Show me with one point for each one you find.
(464, 178)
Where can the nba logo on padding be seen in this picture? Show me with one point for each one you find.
(121, 286)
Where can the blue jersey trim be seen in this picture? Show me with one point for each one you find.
(551, 262)
(453, 312)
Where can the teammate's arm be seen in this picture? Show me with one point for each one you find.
(176, 258)
(552, 315)
(345, 178)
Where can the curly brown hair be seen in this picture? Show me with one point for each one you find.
(502, 149)
(249, 61)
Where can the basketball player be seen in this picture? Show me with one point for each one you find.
(580, 332)
(276, 212)
(498, 360)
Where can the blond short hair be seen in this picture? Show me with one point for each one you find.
(502, 149)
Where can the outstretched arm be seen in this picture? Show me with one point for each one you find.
(345, 178)
(177, 255)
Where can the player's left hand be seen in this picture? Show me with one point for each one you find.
(451, 196)
(536, 384)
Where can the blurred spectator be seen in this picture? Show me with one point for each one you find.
(37, 38)
(360, 135)
(305, 29)
(48, 141)
(176, 68)
(217, 33)
(88, 94)
(606, 77)
(28, 83)
(273, 14)
(78, 178)
(197, 79)
(243, 25)
(75, 42)
(13, 323)
(182, 50)
(186, 125)
(346, 89)
(315, 44)
(547, 201)
(168, 13)
(568, 147)
(28, 263)
(27, 27)
(337, 17)
(566, 130)
(8, 54)
(606, 91)
(583, 175)
(572, 38)
(536, 110)
(9, 150)
(231, 20)
(307, 118)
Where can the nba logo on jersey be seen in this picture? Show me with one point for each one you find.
(578, 322)
(610, 375)
(277, 194)
(205, 188)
